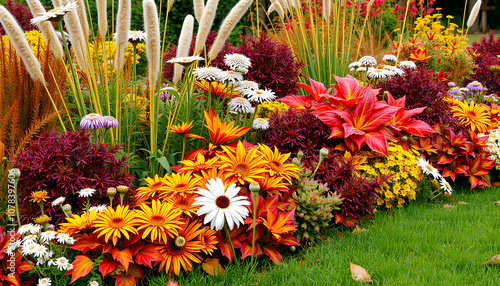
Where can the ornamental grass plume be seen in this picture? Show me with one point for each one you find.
(122, 30)
(473, 14)
(48, 32)
(82, 15)
(184, 45)
(206, 21)
(276, 6)
(102, 19)
(77, 37)
(327, 9)
(153, 45)
(21, 45)
(228, 25)
(199, 6)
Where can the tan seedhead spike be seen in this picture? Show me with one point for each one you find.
(102, 19)
(206, 21)
(122, 31)
(184, 45)
(153, 41)
(199, 5)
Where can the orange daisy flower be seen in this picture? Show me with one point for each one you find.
(181, 129)
(276, 164)
(221, 90)
(183, 249)
(185, 203)
(77, 224)
(473, 116)
(246, 167)
(271, 184)
(200, 164)
(182, 184)
(159, 221)
(152, 190)
(208, 239)
(39, 196)
(112, 224)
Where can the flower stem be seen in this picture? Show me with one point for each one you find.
(231, 243)
(253, 226)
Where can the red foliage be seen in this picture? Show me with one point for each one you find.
(22, 15)
(488, 49)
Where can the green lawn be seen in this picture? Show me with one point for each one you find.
(420, 244)
(476, 38)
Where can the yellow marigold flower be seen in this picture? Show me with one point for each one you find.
(39, 196)
(473, 116)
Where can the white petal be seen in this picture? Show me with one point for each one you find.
(211, 215)
(229, 218)
(219, 220)
(205, 209)
(232, 191)
(207, 194)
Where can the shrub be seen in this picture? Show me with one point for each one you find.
(486, 73)
(22, 15)
(64, 163)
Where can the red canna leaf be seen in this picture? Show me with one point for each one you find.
(107, 266)
(123, 256)
(81, 267)
(128, 280)
(272, 253)
(147, 255)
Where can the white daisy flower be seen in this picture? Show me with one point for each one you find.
(185, 61)
(238, 62)
(354, 65)
(58, 201)
(51, 262)
(48, 235)
(25, 228)
(246, 84)
(54, 15)
(40, 251)
(29, 249)
(62, 263)
(29, 239)
(368, 61)
(13, 246)
(98, 208)
(428, 169)
(260, 124)
(260, 95)
(207, 73)
(231, 76)
(376, 73)
(393, 71)
(40, 261)
(221, 205)
(44, 282)
(36, 229)
(94, 283)
(389, 58)
(49, 255)
(85, 193)
(361, 69)
(407, 64)
(445, 186)
(239, 105)
(70, 241)
(136, 36)
(63, 238)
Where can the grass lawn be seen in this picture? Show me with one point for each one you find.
(420, 244)
(477, 37)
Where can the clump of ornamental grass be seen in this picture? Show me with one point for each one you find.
(63, 164)
(314, 210)
(273, 65)
(406, 176)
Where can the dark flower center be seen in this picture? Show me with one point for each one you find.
(241, 168)
(222, 202)
(157, 220)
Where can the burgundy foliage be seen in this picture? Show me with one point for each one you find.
(64, 163)
(168, 69)
(422, 90)
(22, 15)
(488, 48)
(273, 64)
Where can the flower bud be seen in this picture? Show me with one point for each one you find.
(300, 155)
(404, 138)
(323, 153)
(295, 161)
(67, 209)
(122, 189)
(293, 248)
(16, 172)
(254, 187)
(111, 192)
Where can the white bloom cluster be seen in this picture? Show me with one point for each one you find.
(428, 169)
(493, 148)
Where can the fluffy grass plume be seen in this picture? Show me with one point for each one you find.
(276, 6)
(48, 32)
(21, 45)
(199, 6)
(473, 14)
(76, 35)
(122, 31)
(153, 40)
(228, 25)
(82, 15)
(184, 45)
(206, 22)
(102, 19)
(327, 9)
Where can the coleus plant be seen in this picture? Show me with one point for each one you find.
(355, 114)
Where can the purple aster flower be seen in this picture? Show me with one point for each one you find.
(475, 86)
(454, 91)
(92, 121)
(451, 84)
(110, 122)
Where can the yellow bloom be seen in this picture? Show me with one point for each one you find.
(113, 223)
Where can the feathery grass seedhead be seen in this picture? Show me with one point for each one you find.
(473, 14)
(102, 18)
(122, 30)
(327, 9)
(184, 45)
(276, 6)
(77, 37)
(21, 45)
(206, 21)
(153, 40)
(228, 25)
(199, 6)
(82, 15)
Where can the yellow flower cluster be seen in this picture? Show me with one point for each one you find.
(36, 42)
(269, 108)
(106, 51)
(406, 175)
(429, 28)
(141, 103)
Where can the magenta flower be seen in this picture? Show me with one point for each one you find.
(109, 122)
(92, 121)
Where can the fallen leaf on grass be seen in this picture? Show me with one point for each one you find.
(494, 260)
(358, 229)
(307, 263)
(497, 203)
(448, 206)
(358, 273)
(212, 266)
(462, 203)
(496, 184)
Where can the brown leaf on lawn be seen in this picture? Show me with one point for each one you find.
(497, 203)
(358, 229)
(358, 273)
(212, 266)
(496, 184)
(462, 203)
(448, 206)
(494, 260)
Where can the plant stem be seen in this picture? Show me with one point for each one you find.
(253, 225)
(231, 243)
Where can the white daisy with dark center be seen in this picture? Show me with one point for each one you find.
(221, 205)
(56, 14)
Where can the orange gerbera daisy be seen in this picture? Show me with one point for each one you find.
(246, 167)
(420, 55)
(182, 184)
(200, 164)
(208, 239)
(39, 196)
(112, 224)
(271, 184)
(181, 129)
(159, 221)
(152, 190)
(76, 223)
(182, 249)
(221, 90)
(213, 173)
(185, 203)
(276, 164)
(473, 116)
